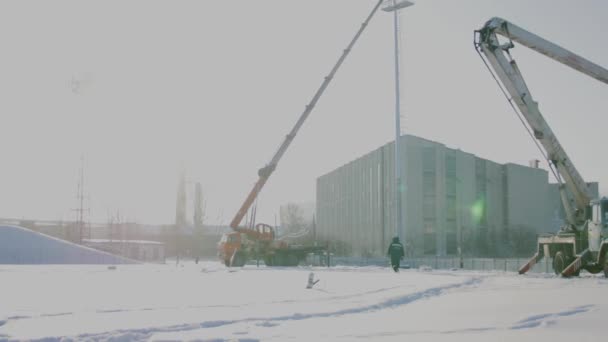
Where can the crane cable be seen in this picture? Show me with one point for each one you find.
(519, 115)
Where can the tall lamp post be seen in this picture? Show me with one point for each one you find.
(395, 6)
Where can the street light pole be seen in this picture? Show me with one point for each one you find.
(459, 222)
(394, 6)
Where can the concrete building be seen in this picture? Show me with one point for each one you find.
(451, 199)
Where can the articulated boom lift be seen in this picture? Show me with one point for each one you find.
(583, 241)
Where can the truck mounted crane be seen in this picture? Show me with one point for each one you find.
(582, 242)
(244, 243)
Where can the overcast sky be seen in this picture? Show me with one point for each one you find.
(143, 89)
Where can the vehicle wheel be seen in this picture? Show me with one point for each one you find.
(268, 261)
(292, 260)
(238, 260)
(559, 262)
(606, 270)
(281, 259)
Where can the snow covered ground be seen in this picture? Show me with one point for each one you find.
(207, 302)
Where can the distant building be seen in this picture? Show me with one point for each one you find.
(202, 244)
(141, 250)
(19, 245)
(451, 199)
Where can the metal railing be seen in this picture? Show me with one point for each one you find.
(449, 263)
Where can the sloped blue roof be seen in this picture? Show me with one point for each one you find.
(23, 246)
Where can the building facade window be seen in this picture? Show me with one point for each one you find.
(429, 199)
(450, 202)
(480, 193)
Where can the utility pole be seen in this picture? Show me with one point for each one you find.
(198, 220)
(77, 85)
(80, 198)
(180, 214)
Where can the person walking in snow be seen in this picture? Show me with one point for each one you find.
(396, 252)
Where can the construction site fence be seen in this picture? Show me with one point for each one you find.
(447, 263)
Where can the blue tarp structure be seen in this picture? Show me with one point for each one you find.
(23, 246)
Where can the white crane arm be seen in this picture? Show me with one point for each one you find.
(517, 34)
(506, 69)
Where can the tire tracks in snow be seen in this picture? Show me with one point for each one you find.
(548, 318)
(391, 303)
(168, 308)
(534, 321)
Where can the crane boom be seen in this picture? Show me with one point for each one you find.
(506, 68)
(545, 47)
(265, 172)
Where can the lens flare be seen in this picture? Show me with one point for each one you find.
(477, 210)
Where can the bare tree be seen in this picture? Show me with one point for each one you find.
(295, 223)
(293, 218)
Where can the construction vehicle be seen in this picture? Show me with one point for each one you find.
(259, 241)
(582, 242)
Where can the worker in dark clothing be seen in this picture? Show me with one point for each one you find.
(396, 252)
